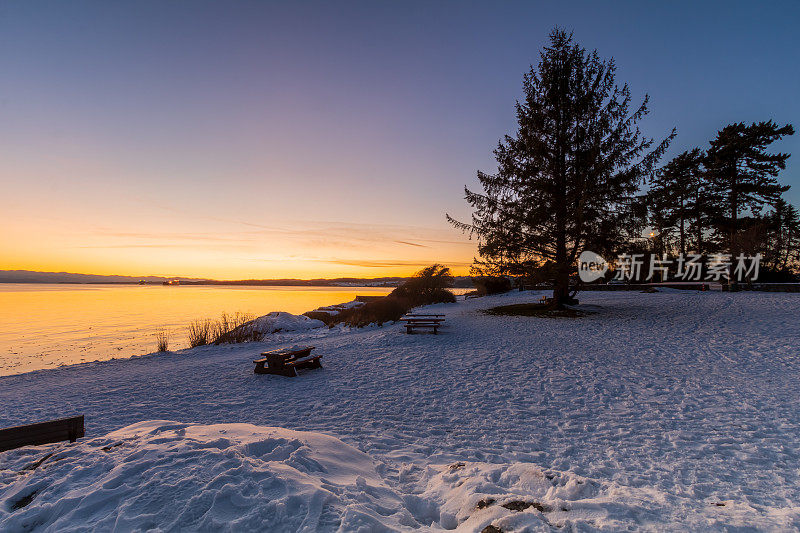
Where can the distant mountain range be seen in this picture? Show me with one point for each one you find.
(30, 276)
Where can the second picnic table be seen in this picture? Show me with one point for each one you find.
(422, 320)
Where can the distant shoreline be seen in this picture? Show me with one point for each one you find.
(256, 283)
(69, 278)
(302, 283)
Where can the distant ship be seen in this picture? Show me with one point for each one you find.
(171, 282)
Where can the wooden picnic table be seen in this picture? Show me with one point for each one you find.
(285, 362)
(415, 321)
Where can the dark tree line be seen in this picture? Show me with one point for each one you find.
(570, 179)
(727, 200)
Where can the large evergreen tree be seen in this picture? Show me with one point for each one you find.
(565, 180)
(743, 174)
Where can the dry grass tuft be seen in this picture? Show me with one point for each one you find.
(236, 328)
(200, 332)
(162, 340)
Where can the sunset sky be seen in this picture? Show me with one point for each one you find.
(319, 139)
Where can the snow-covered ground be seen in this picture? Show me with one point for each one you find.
(667, 411)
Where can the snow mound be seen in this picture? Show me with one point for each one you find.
(524, 497)
(279, 321)
(239, 477)
(171, 476)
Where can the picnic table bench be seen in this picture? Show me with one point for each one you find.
(286, 362)
(420, 320)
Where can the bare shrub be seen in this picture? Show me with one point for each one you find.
(428, 286)
(378, 311)
(162, 340)
(485, 285)
(200, 332)
(236, 328)
(386, 309)
(330, 319)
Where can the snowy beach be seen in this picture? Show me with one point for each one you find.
(669, 411)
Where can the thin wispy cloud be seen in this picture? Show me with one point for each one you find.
(385, 264)
(355, 230)
(412, 244)
(199, 237)
(346, 236)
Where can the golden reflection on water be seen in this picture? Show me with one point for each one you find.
(45, 326)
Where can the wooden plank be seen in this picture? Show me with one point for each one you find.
(286, 351)
(410, 327)
(301, 360)
(69, 429)
(287, 371)
(40, 427)
(312, 361)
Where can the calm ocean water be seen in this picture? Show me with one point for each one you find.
(45, 326)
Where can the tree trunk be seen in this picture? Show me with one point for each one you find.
(560, 291)
(561, 286)
(698, 214)
(683, 231)
(699, 237)
(734, 244)
(561, 282)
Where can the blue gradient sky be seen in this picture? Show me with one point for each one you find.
(258, 139)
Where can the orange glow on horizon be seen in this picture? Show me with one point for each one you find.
(232, 251)
(294, 270)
